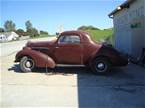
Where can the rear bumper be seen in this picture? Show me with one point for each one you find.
(122, 60)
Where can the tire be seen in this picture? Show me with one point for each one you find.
(100, 65)
(27, 64)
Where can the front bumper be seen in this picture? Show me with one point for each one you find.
(17, 57)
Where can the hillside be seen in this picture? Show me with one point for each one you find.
(100, 35)
(88, 28)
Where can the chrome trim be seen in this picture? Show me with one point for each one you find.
(40, 48)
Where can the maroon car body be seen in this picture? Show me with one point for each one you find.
(71, 47)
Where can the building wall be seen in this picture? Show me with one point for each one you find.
(136, 13)
(122, 31)
(2, 38)
(8, 36)
(144, 30)
(129, 30)
(144, 23)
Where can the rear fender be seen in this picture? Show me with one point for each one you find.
(102, 52)
(111, 54)
(40, 59)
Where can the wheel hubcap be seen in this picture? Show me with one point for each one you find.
(101, 66)
(28, 64)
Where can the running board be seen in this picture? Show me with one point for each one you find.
(68, 65)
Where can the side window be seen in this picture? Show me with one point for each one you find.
(69, 39)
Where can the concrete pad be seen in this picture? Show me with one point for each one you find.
(71, 87)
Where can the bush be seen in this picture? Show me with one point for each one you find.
(84, 28)
(21, 32)
(33, 32)
(2, 30)
(43, 33)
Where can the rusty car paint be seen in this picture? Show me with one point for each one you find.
(81, 54)
(40, 59)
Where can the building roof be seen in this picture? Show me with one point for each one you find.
(126, 4)
(7, 34)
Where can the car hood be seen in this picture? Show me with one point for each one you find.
(41, 43)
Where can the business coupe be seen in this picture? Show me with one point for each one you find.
(70, 48)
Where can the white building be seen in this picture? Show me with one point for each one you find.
(129, 27)
(8, 36)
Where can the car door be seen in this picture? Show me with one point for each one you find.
(68, 50)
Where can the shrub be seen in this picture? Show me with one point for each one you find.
(33, 32)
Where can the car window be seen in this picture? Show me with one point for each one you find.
(69, 39)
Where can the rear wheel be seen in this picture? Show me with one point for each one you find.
(27, 64)
(101, 65)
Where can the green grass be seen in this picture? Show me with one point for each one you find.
(101, 35)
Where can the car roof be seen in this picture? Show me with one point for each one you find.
(77, 32)
(85, 36)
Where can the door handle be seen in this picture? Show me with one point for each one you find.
(56, 47)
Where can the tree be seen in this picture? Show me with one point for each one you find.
(9, 26)
(28, 25)
(21, 32)
(43, 32)
(33, 32)
(2, 30)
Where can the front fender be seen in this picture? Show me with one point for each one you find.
(40, 59)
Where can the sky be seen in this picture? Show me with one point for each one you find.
(48, 15)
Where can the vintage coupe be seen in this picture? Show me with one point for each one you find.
(71, 48)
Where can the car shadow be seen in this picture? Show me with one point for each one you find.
(57, 70)
(15, 68)
(116, 73)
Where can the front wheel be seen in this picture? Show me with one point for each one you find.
(27, 64)
(100, 65)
